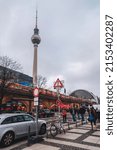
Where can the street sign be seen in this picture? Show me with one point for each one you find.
(58, 84)
(35, 101)
(36, 92)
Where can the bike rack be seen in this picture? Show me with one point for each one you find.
(76, 123)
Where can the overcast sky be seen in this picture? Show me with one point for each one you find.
(70, 44)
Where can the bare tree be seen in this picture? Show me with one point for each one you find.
(8, 68)
(41, 81)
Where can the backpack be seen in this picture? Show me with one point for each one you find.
(91, 117)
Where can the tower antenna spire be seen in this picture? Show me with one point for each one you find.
(36, 17)
(36, 13)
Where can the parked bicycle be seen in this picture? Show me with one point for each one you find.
(56, 128)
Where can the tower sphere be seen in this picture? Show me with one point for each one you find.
(36, 39)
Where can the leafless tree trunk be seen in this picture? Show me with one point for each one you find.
(42, 81)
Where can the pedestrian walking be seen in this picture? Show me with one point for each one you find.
(82, 111)
(77, 112)
(73, 113)
(92, 117)
(98, 114)
(64, 115)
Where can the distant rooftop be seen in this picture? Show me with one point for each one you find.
(84, 94)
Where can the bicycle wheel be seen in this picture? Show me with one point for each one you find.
(53, 130)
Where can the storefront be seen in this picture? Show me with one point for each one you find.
(13, 106)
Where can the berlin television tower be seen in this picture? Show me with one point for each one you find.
(35, 40)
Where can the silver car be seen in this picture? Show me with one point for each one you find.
(13, 126)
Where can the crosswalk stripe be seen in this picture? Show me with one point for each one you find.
(73, 144)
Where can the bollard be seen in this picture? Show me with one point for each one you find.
(86, 121)
(28, 142)
(46, 133)
(68, 126)
(76, 124)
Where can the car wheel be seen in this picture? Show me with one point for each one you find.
(42, 129)
(7, 139)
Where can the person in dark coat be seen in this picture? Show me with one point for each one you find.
(92, 117)
(77, 112)
(98, 114)
(73, 113)
(82, 113)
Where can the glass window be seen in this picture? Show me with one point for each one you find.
(15, 119)
(7, 120)
(18, 118)
(28, 118)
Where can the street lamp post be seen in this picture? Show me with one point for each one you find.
(36, 95)
(58, 98)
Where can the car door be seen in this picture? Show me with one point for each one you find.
(30, 122)
(19, 126)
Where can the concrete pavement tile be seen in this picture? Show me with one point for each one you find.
(73, 144)
(78, 130)
(96, 133)
(41, 146)
(14, 145)
(71, 136)
(85, 128)
(98, 141)
(93, 148)
(92, 139)
(67, 143)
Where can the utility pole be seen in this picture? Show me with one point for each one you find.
(58, 85)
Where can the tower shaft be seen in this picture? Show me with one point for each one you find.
(35, 64)
(35, 40)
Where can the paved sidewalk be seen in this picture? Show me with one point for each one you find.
(77, 138)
